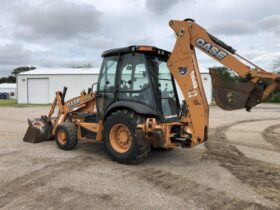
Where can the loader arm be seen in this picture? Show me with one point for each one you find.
(184, 68)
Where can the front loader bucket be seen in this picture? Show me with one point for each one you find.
(231, 95)
(38, 130)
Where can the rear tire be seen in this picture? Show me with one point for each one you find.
(66, 136)
(121, 140)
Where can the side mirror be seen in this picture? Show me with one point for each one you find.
(93, 85)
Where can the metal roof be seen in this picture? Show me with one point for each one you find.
(8, 85)
(61, 71)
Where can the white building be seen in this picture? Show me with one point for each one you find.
(207, 84)
(10, 89)
(39, 86)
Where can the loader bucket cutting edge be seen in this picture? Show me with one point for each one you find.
(38, 130)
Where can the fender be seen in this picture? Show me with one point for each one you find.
(135, 106)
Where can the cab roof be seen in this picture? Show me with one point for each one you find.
(136, 48)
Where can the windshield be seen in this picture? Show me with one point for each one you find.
(165, 87)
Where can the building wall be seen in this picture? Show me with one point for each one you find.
(9, 91)
(75, 84)
(206, 80)
(207, 84)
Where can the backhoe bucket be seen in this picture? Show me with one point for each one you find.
(229, 94)
(38, 130)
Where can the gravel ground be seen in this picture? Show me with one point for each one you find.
(238, 168)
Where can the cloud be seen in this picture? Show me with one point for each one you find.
(68, 32)
(96, 42)
(271, 23)
(7, 5)
(51, 61)
(14, 54)
(160, 6)
(235, 27)
(58, 20)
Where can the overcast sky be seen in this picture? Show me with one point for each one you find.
(49, 33)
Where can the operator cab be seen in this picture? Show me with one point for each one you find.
(137, 78)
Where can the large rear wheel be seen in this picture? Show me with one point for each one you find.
(122, 141)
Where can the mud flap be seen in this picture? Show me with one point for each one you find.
(38, 130)
(231, 95)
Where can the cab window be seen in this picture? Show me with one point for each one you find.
(165, 87)
(106, 84)
(108, 74)
(134, 80)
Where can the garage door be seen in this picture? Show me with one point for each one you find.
(38, 91)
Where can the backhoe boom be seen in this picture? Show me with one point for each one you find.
(184, 67)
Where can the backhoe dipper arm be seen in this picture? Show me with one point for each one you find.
(184, 68)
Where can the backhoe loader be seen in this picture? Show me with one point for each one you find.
(136, 105)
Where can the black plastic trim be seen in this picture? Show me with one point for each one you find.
(135, 106)
(131, 49)
(189, 19)
(221, 44)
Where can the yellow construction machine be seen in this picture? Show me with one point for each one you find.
(136, 104)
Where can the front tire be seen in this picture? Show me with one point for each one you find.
(66, 136)
(122, 142)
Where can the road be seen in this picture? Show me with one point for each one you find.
(238, 168)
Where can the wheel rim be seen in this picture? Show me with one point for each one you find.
(61, 137)
(120, 138)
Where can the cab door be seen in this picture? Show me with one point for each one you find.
(134, 82)
(106, 88)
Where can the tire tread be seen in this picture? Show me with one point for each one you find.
(142, 147)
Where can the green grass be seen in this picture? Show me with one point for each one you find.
(13, 103)
(274, 98)
(8, 102)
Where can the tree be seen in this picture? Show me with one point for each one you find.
(22, 69)
(276, 63)
(3, 80)
(12, 77)
(9, 79)
(227, 74)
